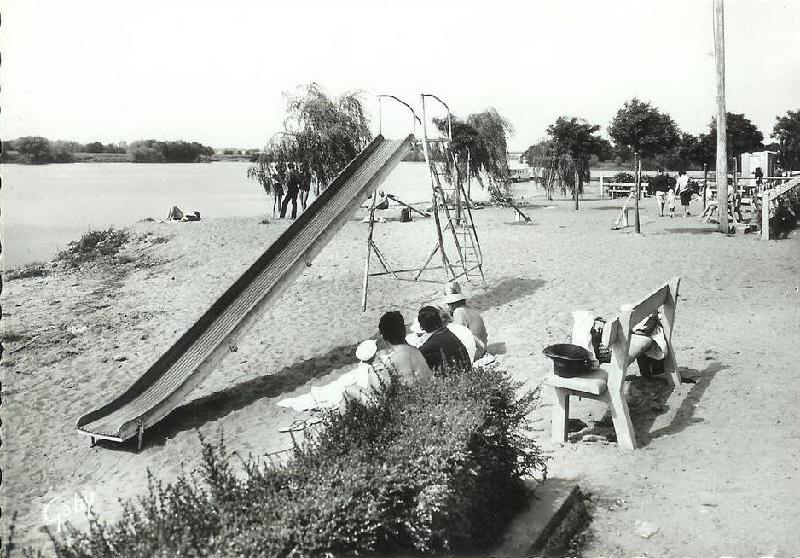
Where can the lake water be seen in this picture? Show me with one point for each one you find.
(46, 206)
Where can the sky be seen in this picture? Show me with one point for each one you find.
(215, 72)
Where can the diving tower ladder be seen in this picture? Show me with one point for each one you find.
(452, 211)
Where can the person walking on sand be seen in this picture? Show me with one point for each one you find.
(442, 347)
(407, 361)
(660, 187)
(466, 316)
(682, 189)
(292, 188)
(671, 198)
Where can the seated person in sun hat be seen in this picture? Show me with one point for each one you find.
(466, 316)
(442, 346)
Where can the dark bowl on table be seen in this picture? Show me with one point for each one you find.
(569, 361)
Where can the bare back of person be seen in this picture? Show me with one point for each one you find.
(408, 363)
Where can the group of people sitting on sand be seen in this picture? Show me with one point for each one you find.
(439, 339)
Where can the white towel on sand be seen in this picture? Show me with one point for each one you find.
(355, 383)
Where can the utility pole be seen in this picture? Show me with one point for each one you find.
(637, 171)
(722, 124)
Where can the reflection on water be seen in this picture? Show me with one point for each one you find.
(46, 206)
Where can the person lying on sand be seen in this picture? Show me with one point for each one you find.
(406, 360)
(442, 346)
(364, 383)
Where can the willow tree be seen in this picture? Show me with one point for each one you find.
(322, 133)
(554, 167)
(565, 155)
(481, 140)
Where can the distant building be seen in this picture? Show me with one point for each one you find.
(763, 159)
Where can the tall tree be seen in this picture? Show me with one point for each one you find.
(321, 133)
(741, 134)
(485, 136)
(638, 126)
(35, 149)
(576, 138)
(329, 131)
(787, 133)
(566, 154)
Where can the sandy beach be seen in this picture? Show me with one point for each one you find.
(719, 455)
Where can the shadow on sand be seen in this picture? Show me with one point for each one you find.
(690, 230)
(217, 405)
(505, 291)
(647, 400)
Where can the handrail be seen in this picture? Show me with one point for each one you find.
(414, 114)
(767, 197)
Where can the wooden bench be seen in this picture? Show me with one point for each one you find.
(607, 383)
(615, 189)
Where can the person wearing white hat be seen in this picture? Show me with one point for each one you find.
(362, 383)
(465, 316)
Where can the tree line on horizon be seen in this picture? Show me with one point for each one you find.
(40, 150)
(639, 127)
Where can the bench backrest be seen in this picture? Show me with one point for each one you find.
(617, 334)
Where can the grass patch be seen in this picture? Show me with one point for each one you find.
(434, 467)
(30, 270)
(94, 246)
(11, 336)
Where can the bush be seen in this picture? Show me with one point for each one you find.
(146, 155)
(435, 467)
(624, 177)
(94, 245)
(30, 270)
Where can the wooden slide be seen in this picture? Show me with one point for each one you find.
(191, 359)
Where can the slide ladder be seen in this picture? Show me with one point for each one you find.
(456, 226)
(166, 384)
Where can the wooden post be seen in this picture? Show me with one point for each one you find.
(722, 124)
(602, 188)
(735, 185)
(637, 170)
(139, 435)
(469, 181)
(457, 192)
(705, 185)
(369, 252)
(765, 215)
(576, 188)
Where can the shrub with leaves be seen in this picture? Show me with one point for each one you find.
(434, 467)
(93, 246)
